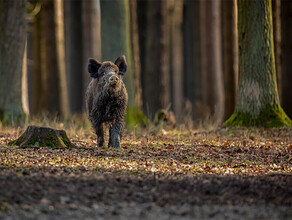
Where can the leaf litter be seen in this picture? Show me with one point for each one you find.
(227, 166)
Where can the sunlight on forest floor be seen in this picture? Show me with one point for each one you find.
(172, 153)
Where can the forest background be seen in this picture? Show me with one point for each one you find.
(182, 56)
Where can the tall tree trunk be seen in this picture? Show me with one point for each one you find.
(74, 54)
(91, 22)
(276, 11)
(258, 100)
(212, 76)
(153, 56)
(286, 48)
(53, 54)
(12, 50)
(175, 48)
(230, 55)
(37, 99)
(116, 41)
(24, 83)
(136, 53)
(192, 77)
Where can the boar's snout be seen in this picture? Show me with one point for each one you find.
(113, 80)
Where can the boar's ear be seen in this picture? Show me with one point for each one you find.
(122, 64)
(93, 67)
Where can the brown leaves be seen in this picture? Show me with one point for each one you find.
(224, 152)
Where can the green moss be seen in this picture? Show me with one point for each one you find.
(271, 116)
(135, 117)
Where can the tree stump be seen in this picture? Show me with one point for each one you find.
(36, 136)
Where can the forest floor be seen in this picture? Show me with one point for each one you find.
(226, 173)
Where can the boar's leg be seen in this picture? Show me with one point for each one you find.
(100, 132)
(115, 134)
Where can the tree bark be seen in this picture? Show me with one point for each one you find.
(116, 41)
(53, 58)
(154, 56)
(74, 54)
(115, 35)
(12, 50)
(35, 136)
(192, 59)
(136, 53)
(276, 12)
(37, 95)
(258, 100)
(91, 22)
(212, 76)
(175, 53)
(230, 55)
(286, 48)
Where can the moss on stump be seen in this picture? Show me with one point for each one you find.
(271, 116)
(36, 136)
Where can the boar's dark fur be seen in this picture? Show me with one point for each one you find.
(106, 99)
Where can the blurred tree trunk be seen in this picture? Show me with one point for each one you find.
(230, 55)
(212, 76)
(286, 48)
(53, 58)
(258, 101)
(175, 53)
(153, 55)
(37, 96)
(115, 35)
(136, 53)
(74, 54)
(91, 38)
(12, 51)
(192, 77)
(276, 11)
(116, 41)
(24, 82)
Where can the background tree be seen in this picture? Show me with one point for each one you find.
(116, 41)
(53, 68)
(74, 54)
(135, 52)
(12, 51)
(258, 101)
(191, 39)
(175, 53)
(91, 38)
(211, 61)
(152, 28)
(276, 12)
(229, 55)
(286, 52)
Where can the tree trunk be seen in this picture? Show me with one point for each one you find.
(35, 136)
(12, 50)
(286, 48)
(230, 55)
(136, 53)
(153, 56)
(175, 53)
(258, 101)
(276, 11)
(53, 56)
(116, 41)
(74, 54)
(192, 77)
(212, 76)
(37, 95)
(91, 22)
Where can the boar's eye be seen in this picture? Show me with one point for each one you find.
(116, 71)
